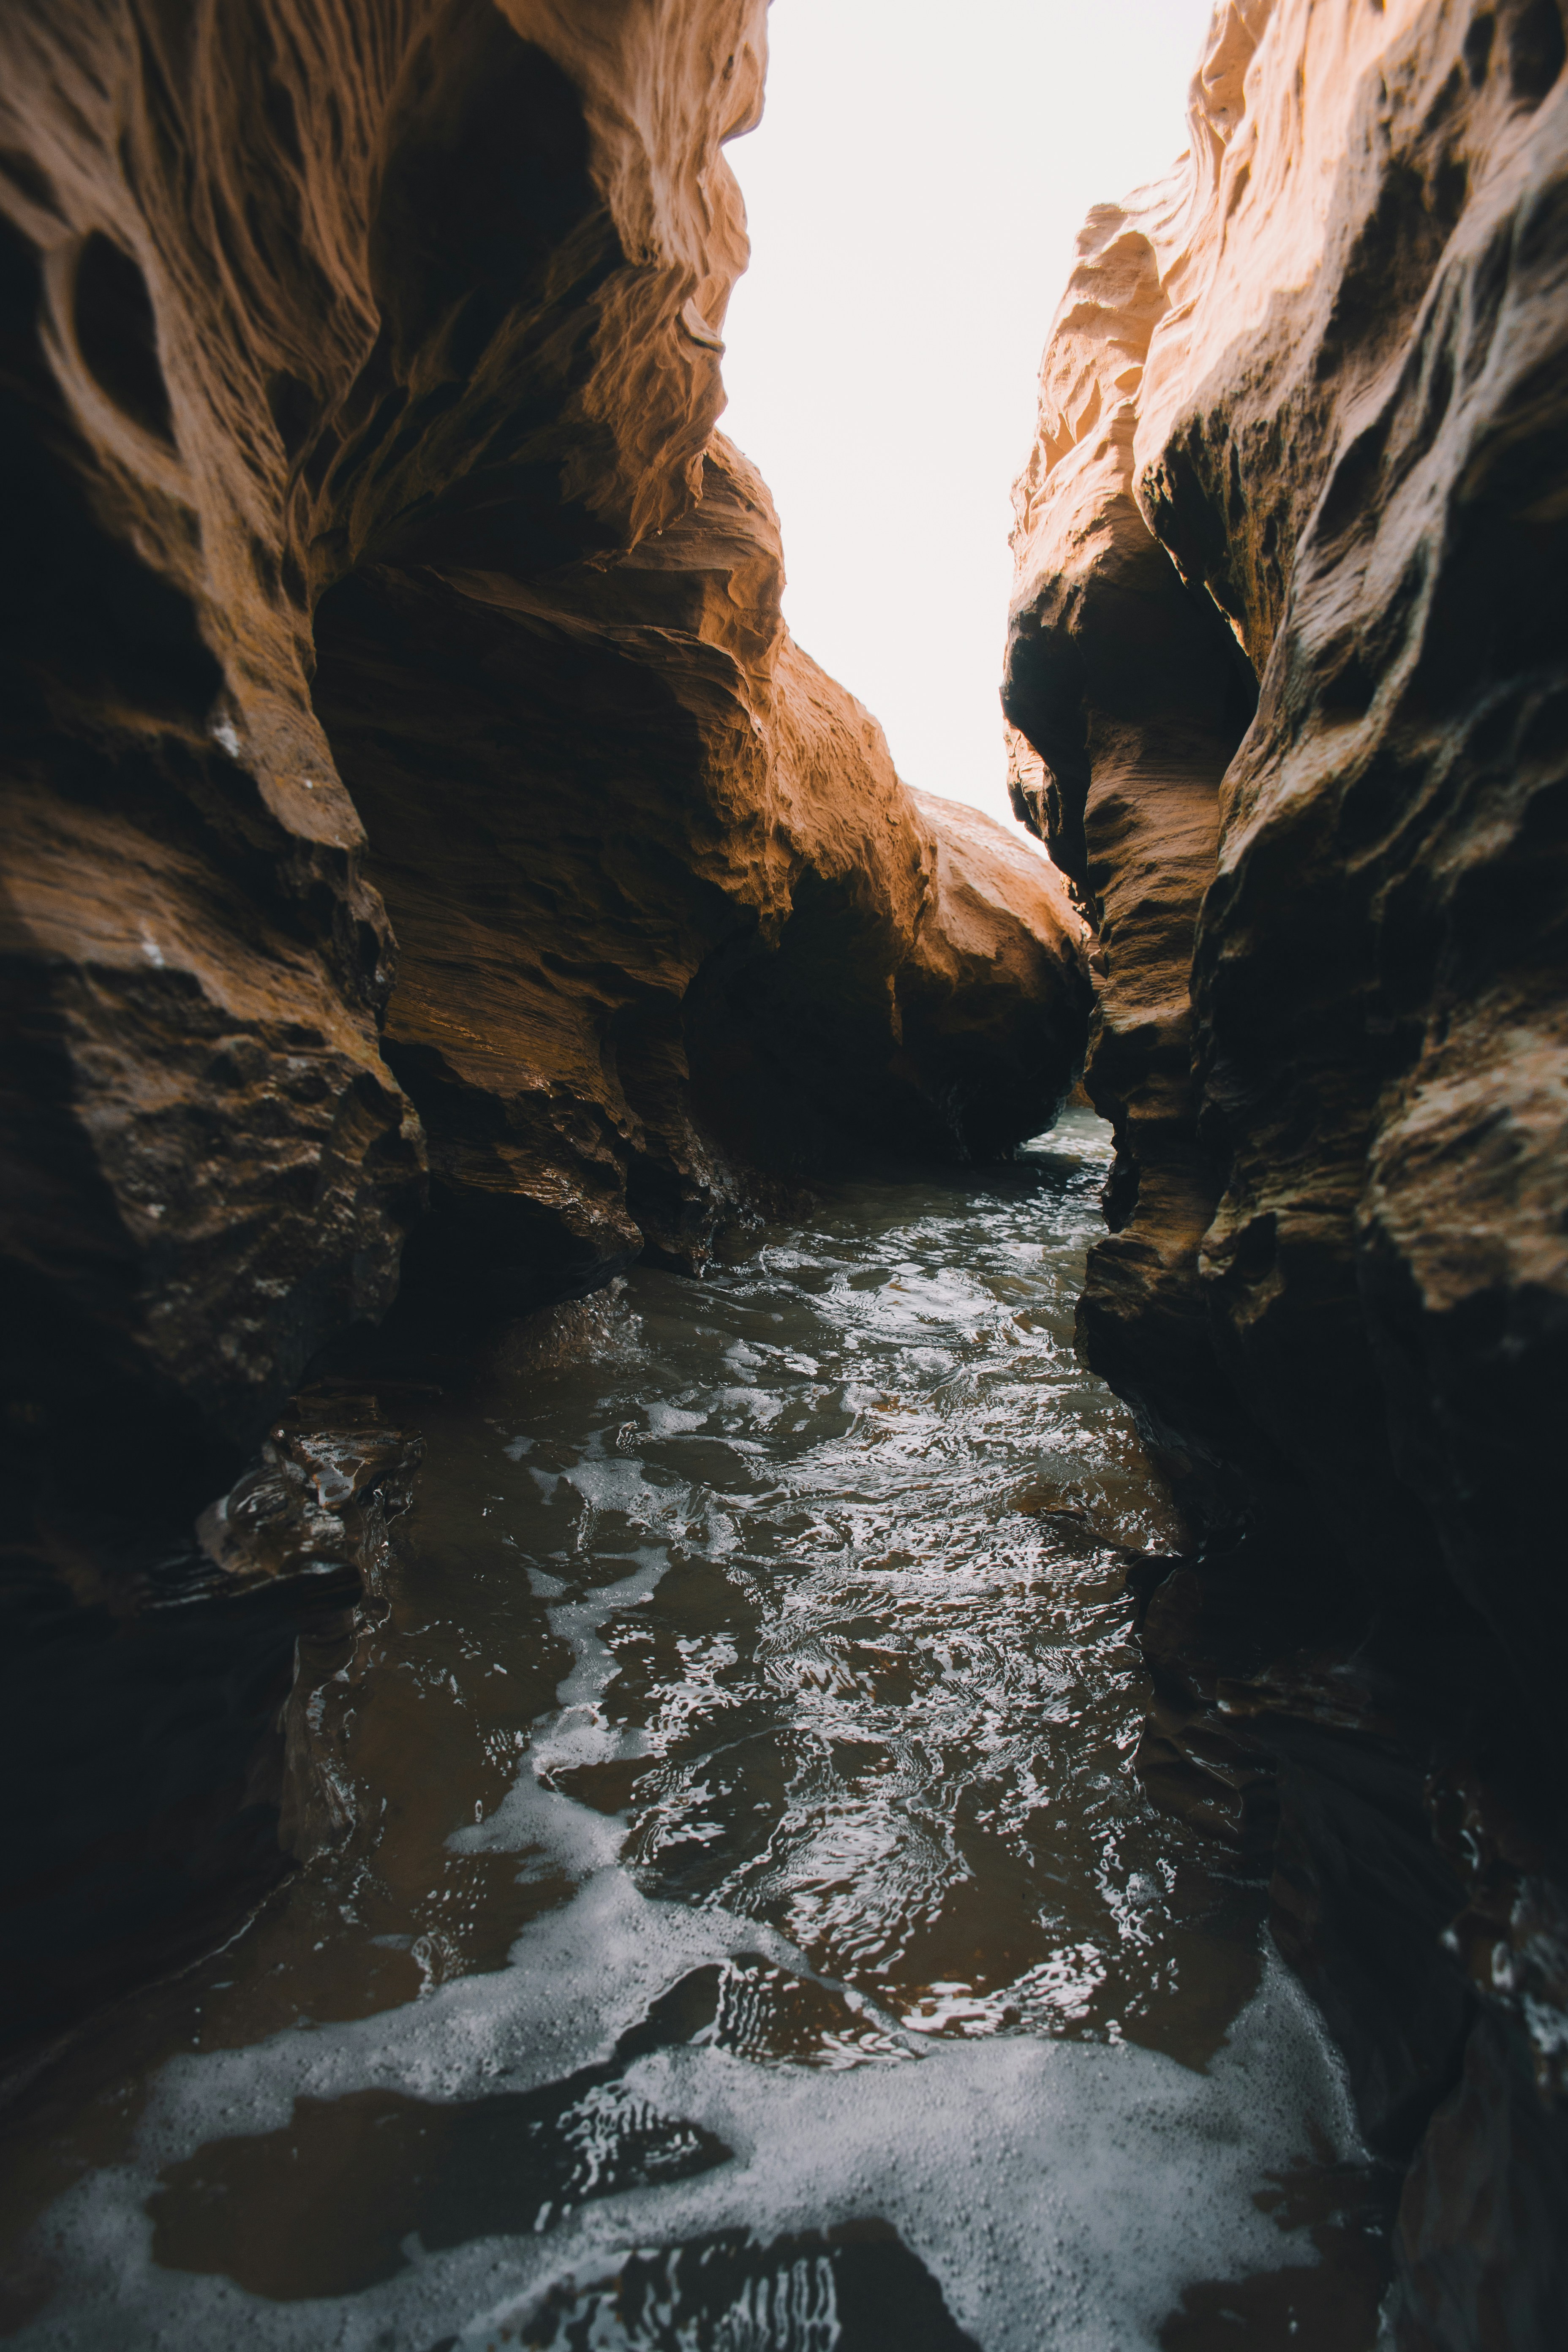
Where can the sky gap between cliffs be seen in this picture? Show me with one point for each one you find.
(913, 195)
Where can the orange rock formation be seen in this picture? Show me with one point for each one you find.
(417, 817)
(1287, 661)
(367, 364)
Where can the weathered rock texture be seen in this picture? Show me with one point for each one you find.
(417, 818)
(1303, 445)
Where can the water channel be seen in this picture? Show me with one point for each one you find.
(742, 1925)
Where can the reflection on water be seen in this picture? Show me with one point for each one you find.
(736, 1921)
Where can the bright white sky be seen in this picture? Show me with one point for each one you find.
(914, 196)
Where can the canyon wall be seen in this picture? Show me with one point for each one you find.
(429, 860)
(1287, 669)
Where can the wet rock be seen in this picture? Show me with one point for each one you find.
(418, 820)
(1301, 434)
(1479, 2230)
(154, 1701)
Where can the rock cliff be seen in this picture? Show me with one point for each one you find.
(1288, 662)
(418, 820)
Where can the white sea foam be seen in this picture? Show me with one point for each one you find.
(1098, 2180)
(1063, 2192)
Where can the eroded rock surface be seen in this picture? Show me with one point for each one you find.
(1301, 439)
(154, 1708)
(418, 820)
(697, 936)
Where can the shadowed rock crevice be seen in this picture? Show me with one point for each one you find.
(650, 962)
(1311, 384)
(1130, 697)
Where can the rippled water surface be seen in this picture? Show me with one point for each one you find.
(737, 1922)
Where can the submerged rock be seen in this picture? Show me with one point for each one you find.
(1287, 660)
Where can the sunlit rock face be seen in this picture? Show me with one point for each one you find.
(1288, 664)
(419, 820)
(665, 913)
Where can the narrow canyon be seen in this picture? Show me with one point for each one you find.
(778, 1569)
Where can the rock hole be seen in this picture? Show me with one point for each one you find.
(264, 563)
(1479, 49)
(1535, 50)
(292, 404)
(1255, 1247)
(116, 335)
(278, 105)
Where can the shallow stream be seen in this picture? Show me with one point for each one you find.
(740, 1926)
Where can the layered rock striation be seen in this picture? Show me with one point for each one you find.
(1288, 661)
(428, 856)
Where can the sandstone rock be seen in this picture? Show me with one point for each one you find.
(367, 364)
(1302, 410)
(706, 933)
(985, 998)
(153, 1709)
(282, 294)
(1128, 700)
(376, 571)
